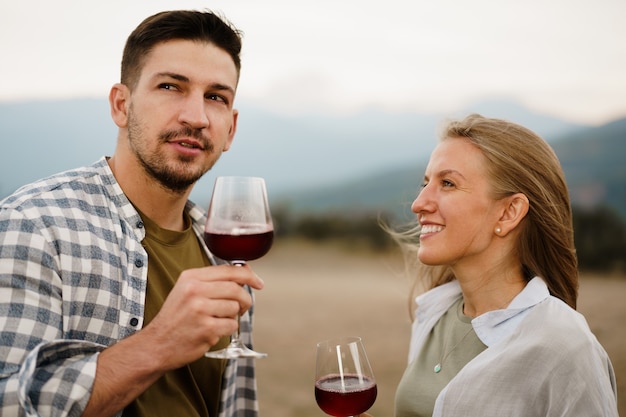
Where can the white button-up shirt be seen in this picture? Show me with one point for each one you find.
(541, 359)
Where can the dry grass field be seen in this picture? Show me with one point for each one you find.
(316, 292)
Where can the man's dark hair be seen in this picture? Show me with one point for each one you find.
(173, 25)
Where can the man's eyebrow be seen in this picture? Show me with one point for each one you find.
(173, 75)
(222, 87)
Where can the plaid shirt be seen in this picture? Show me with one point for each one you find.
(73, 278)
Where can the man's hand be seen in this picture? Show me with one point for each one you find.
(201, 308)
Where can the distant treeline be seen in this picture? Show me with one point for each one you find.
(599, 233)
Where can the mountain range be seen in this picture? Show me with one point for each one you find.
(367, 160)
(592, 159)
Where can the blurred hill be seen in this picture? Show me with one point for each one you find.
(363, 161)
(592, 159)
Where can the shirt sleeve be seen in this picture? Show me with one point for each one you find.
(40, 373)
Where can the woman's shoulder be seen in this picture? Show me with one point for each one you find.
(552, 325)
(556, 315)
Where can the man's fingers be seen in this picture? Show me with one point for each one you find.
(241, 275)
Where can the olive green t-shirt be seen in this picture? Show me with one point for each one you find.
(451, 344)
(193, 390)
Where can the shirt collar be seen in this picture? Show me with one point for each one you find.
(436, 301)
(494, 326)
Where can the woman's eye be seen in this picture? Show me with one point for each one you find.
(447, 183)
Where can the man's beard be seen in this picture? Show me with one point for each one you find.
(176, 176)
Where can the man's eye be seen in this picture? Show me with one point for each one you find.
(166, 86)
(215, 97)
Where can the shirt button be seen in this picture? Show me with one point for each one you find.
(138, 263)
(134, 321)
(140, 224)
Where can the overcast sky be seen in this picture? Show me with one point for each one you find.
(562, 57)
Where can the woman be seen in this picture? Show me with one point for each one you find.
(497, 334)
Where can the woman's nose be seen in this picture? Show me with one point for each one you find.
(423, 201)
(415, 206)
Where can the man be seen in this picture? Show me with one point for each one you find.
(107, 299)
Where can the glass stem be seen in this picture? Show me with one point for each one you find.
(234, 338)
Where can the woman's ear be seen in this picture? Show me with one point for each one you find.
(119, 100)
(514, 210)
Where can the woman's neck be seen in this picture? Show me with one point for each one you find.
(485, 291)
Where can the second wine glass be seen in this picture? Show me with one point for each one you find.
(239, 228)
(344, 381)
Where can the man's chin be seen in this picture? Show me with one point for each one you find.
(177, 183)
(177, 177)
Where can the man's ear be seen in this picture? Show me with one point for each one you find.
(514, 210)
(119, 100)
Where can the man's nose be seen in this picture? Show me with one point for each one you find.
(194, 112)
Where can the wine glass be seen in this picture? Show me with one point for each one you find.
(239, 228)
(344, 381)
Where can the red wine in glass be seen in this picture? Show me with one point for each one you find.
(351, 397)
(239, 247)
(344, 381)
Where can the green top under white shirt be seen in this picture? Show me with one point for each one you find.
(452, 343)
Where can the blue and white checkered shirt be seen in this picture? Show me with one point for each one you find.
(73, 279)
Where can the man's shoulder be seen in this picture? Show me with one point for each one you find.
(71, 184)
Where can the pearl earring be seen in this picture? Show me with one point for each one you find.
(498, 230)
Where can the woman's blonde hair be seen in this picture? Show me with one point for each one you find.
(518, 161)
